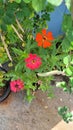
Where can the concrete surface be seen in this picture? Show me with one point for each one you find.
(41, 114)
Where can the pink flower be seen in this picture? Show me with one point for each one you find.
(16, 85)
(33, 61)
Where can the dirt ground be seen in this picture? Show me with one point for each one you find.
(40, 114)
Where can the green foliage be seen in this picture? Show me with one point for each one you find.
(66, 60)
(67, 27)
(58, 2)
(55, 2)
(67, 85)
(1, 79)
(64, 86)
(38, 6)
(18, 1)
(65, 114)
(3, 55)
(27, 1)
(20, 21)
(68, 3)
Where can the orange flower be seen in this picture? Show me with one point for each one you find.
(44, 39)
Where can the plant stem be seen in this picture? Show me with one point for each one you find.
(5, 46)
(19, 25)
(54, 72)
(15, 30)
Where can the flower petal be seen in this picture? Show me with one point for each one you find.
(46, 44)
(44, 32)
(16, 85)
(34, 62)
(40, 43)
(38, 37)
(50, 36)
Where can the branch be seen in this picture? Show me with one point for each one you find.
(19, 25)
(5, 46)
(15, 30)
(54, 72)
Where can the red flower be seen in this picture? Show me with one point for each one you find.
(33, 61)
(16, 85)
(44, 39)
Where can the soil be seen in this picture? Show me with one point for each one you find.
(41, 114)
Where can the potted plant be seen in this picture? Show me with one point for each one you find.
(33, 52)
(4, 85)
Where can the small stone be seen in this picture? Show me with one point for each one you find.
(46, 107)
(42, 100)
(61, 99)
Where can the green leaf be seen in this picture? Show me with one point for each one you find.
(61, 84)
(29, 95)
(27, 1)
(1, 1)
(66, 45)
(67, 2)
(65, 114)
(20, 66)
(17, 1)
(38, 6)
(71, 61)
(7, 20)
(30, 98)
(66, 60)
(1, 11)
(55, 2)
(71, 81)
(17, 51)
(68, 71)
(43, 88)
(62, 110)
(3, 26)
(67, 23)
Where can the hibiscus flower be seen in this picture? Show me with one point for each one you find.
(16, 85)
(44, 39)
(33, 61)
